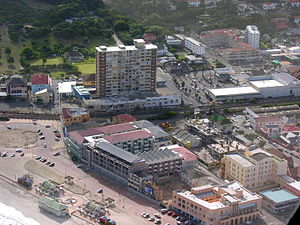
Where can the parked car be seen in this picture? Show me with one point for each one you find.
(45, 145)
(8, 127)
(157, 215)
(12, 155)
(42, 137)
(56, 153)
(38, 157)
(4, 154)
(100, 191)
(57, 139)
(55, 131)
(57, 135)
(22, 154)
(151, 219)
(51, 164)
(170, 213)
(163, 211)
(18, 150)
(48, 126)
(38, 131)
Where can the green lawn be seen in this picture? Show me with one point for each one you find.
(52, 61)
(57, 75)
(86, 67)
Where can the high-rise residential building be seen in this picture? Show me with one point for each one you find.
(228, 204)
(126, 70)
(258, 168)
(252, 36)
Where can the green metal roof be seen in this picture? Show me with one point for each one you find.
(52, 203)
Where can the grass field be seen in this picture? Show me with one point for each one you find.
(87, 66)
(53, 61)
(57, 75)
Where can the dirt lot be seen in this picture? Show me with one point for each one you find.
(17, 138)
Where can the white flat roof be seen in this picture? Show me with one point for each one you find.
(66, 87)
(120, 48)
(241, 160)
(295, 185)
(233, 91)
(266, 83)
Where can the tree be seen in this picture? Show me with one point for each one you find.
(121, 25)
(8, 51)
(10, 60)
(27, 53)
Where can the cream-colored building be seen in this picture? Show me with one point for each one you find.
(126, 70)
(228, 204)
(254, 170)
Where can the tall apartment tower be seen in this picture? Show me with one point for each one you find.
(252, 36)
(126, 70)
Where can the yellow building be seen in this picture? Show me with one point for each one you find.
(73, 116)
(228, 204)
(254, 170)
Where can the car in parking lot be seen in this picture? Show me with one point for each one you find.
(79, 165)
(57, 135)
(57, 139)
(158, 221)
(169, 213)
(48, 126)
(38, 131)
(45, 145)
(55, 131)
(12, 155)
(38, 157)
(42, 137)
(43, 160)
(56, 153)
(157, 215)
(8, 127)
(100, 191)
(22, 154)
(48, 163)
(164, 211)
(18, 150)
(151, 219)
(4, 154)
(51, 164)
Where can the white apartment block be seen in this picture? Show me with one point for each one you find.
(194, 46)
(252, 36)
(126, 70)
(253, 171)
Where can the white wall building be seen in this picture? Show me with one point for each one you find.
(194, 46)
(252, 36)
(115, 104)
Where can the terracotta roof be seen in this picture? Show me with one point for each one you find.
(125, 118)
(112, 129)
(40, 79)
(291, 128)
(66, 113)
(78, 136)
(89, 77)
(126, 136)
(188, 156)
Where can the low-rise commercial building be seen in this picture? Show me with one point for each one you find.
(218, 205)
(73, 116)
(40, 82)
(293, 187)
(65, 89)
(162, 163)
(81, 92)
(43, 96)
(17, 87)
(234, 93)
(194, 46)
(120, 104)
(53, 206)
(279, 200)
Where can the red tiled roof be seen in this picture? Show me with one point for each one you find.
(291, 128)
(66, 113)
(131, 135)
(112, 129)
(40, 79)
(188, 156)
(126, 118)
(78, 136)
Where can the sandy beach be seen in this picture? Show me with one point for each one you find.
(27, 205)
